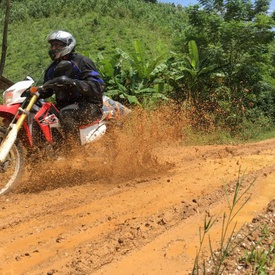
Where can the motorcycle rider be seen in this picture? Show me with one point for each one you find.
(79, 95)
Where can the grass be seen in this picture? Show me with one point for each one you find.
(260, 256)
(226, 244)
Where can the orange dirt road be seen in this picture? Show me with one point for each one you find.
(133, 212)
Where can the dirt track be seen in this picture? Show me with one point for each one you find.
(136, 212)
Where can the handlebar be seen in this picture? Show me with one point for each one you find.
(60, 82)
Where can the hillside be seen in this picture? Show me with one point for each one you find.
(98, 26)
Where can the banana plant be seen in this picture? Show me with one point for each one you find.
(192, 72)
(134, 78)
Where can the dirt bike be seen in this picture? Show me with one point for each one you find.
(29, 121)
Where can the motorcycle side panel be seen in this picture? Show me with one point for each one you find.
(91, 133)
(47, 117)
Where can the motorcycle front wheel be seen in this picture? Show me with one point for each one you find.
(12, 168)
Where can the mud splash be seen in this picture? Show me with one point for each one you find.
(124, 153)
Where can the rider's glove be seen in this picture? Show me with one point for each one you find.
(60, 81)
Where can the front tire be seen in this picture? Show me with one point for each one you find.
(12, 168)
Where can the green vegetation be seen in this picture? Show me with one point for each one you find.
(226, 244)
(252, 255)
(259, 258)
(215, 60)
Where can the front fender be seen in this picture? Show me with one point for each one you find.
(8, 112)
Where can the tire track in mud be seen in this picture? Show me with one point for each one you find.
(69, 231)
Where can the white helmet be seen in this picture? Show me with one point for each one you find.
(64, 37)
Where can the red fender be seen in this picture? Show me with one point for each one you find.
(7, 112)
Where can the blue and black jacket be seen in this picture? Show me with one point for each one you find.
(90, 86)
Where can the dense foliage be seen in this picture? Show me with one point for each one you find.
(215, 60)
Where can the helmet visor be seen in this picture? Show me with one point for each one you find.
(56, 49)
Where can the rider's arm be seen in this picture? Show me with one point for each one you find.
(48, 75)
(90, 82)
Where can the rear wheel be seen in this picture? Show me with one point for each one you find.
(11, 169)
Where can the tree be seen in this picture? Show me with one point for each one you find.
(235, 37)
(5, 35)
